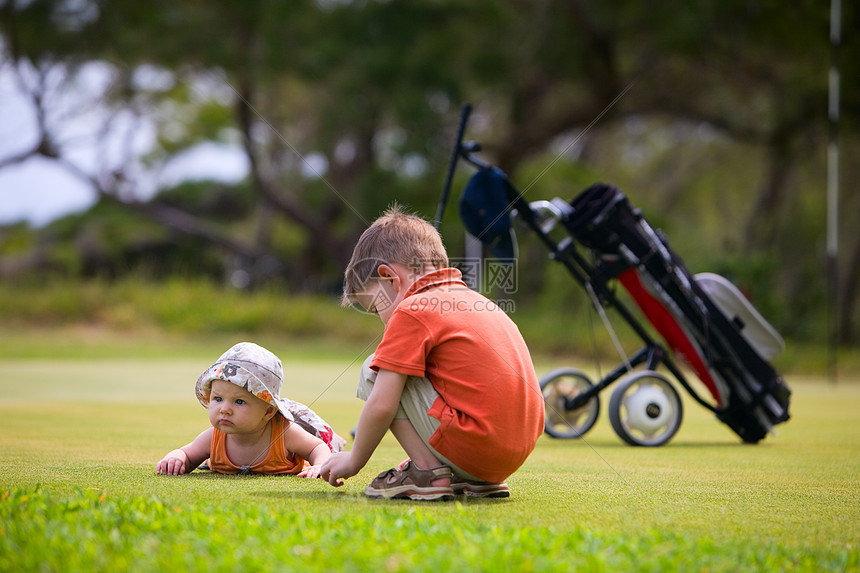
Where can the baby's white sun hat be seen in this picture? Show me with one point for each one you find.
(260, 372)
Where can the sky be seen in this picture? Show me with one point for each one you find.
(38, 190)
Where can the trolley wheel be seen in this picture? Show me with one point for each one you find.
(645, 409)
(559, 387)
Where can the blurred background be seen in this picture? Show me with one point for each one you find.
(204, 166)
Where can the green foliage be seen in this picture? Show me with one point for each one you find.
(16, 239)
(561, 322)
(559, 325)
(709, 115)
(219, 203)
(184, 306)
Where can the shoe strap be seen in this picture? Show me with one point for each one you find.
(439, 472)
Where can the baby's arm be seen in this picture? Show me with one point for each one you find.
(308, 446)
(319, 454)
(183, 460)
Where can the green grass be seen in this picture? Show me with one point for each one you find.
(80, 435)
(92, 531)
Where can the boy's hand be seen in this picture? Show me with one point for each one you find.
(339, 465)
(173, 463)
(311, 472)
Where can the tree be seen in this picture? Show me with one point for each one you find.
(341, 107)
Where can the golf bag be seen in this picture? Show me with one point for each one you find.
(705, 320)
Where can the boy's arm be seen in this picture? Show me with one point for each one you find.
(185, 459)
(376, 417)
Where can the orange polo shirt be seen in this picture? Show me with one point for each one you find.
(277, 460)
(490, 406)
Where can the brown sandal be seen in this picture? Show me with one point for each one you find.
(479, 488)
(411, 482)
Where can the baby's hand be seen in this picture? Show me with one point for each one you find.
(173, 463)
(310, 473)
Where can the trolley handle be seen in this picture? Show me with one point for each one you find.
(457, 152)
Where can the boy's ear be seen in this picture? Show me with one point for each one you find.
(385, 271)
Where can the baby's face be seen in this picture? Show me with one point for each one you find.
(234, 410)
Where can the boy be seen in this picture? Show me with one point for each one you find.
(452, 377)
(253, 430)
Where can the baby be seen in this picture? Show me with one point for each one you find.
(253, 429)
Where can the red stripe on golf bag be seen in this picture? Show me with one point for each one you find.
(668, 328)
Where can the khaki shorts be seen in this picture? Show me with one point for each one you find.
(417, 398)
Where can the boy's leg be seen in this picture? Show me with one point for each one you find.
(419, 452)
(412, 426)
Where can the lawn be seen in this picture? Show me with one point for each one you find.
(81, 432)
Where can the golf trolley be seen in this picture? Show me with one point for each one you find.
(705, 321)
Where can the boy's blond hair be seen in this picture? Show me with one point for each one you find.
(396, 237)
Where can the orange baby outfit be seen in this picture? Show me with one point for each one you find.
(277, 460)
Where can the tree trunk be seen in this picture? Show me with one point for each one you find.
(763, 222)
(847, 293)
